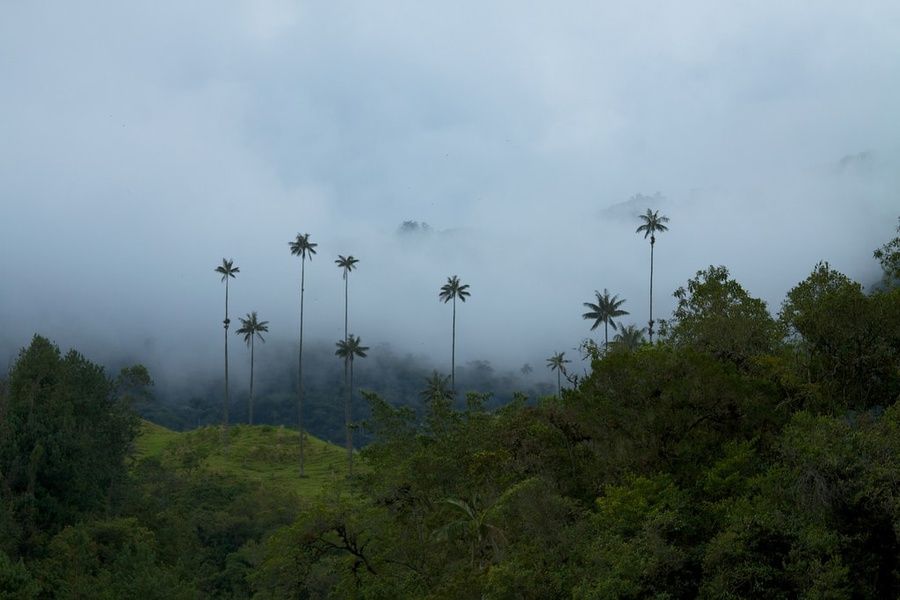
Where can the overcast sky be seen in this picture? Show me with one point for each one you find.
(141, 142)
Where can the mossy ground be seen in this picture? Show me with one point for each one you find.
(263, 453)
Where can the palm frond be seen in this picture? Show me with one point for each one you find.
(351, 348)
(302, 247)
(454, 289)
(227, 269)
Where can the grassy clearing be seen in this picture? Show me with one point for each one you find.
(264, 453)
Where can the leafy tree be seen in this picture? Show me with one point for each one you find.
(228, 271)
(109, 559)
(66, 436)
(848, 343)
(557, 363)
(347, 264)
(348, 349)
(252, 328)
(303, 248)
(16, 582)
(605, 311)
(889, 257)
(653, 223)
(452, 290)
(715, 314)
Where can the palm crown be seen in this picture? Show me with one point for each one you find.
(629, 338)
(227, 269)
(653, 222)
(558, 362)
(347, 263)
(350, 348)
(252, 326)
(302, 247)
(436, 387)
(605, 310)
(452, 289)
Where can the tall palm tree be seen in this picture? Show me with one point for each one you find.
(227, 270)
(605, 311)
(303, 248)
(347, 263)
(557, 363)
(451, 291)
(349, 348)
(653, 222)
(252, 328)
(629, 338)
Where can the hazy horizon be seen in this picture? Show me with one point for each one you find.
(145, 142)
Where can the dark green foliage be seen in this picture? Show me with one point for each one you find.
(16, 582)
(208, 526)
(108, 559)
(848, 342)
(66, 436)
(716, 315)
(719, 463)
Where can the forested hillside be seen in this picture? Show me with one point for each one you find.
(740, 455)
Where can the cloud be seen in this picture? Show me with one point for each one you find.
(144, 141)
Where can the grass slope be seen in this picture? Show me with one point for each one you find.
(263, 453)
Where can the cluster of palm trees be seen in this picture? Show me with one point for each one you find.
(607, 308)
(251, 328)
(348, 348)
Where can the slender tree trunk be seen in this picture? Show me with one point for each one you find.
(650, 328)
(225, 414)
(252, 348)
(300, 364)
(453, 353)
(347, 410)
(346, 301)
(558, 384)
(606, 334)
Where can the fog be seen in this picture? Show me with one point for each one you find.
(142, 142)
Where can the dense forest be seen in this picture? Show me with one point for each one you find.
(740, 454)
(400, 377)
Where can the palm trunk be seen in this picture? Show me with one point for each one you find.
(300, 364)
(252, 360)
(347, 410)
(606, 334)
(346, 301)
(558, 384)
(225, 414)
(650, 328)
(453, 353)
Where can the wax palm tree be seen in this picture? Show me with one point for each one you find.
(557, 363)
(436, 387)
(605, 311)
(227, 270)
(653, 222)
(451, 291)
(348, 349)
(302, 247)
(629, 338)
(252, 328)
(347, 263)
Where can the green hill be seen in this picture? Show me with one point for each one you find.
(264, 453)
